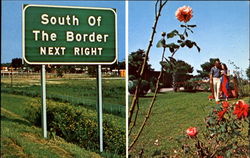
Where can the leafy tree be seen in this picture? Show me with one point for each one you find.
(117, 65)
(135, 64)
(179, 70)
(206, 67)
(92, 70)
(183, 71)
(248, 73)
(121, 65)
(5, 64)
(59, 71)
(16, 63)
(135, 60)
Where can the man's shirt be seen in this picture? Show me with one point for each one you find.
(215, 72)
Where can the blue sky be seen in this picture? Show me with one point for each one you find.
(222, 31)
(12, 24)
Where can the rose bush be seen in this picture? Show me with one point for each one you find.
(224, 134)
(241, 109)
(225, 104)
(184, 14)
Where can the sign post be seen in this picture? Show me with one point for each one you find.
(99, 105)
(44, 114)
(70, 35)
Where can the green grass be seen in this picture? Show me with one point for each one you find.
(19, 138)
(171, 115)
(75, 91)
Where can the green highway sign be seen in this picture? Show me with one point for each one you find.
(69, 35)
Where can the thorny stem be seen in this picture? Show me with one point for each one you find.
(151, 104)
(135, 98)
(136, 114)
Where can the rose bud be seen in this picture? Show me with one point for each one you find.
(192, 131)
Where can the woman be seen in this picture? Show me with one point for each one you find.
(225, 80)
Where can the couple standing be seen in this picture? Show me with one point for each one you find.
(220, 80)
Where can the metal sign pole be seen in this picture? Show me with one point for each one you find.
(99, 105)
(44, 115)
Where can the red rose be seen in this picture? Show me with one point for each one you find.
(192, 131)
(210, 97)
(184, 13)
(225, 104)
(219, 156)
(221, 114)
(241, 109)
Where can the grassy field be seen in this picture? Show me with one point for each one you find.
(172, 114)
(19, 138)
(75, 91)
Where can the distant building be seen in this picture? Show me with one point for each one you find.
(4, 68)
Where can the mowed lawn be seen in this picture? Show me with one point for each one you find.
(172, 114)
(19, 138)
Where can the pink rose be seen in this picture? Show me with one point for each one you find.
(184, 13)
(192, 131)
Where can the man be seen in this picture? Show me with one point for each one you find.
(215, 75)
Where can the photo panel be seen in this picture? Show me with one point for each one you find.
(188, 72)
(63, 79)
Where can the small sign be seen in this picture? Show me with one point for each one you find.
(69, 35)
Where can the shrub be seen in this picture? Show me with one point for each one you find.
(153, 81)
(231, 85)
(132, 77)
(225, 133)
(144, 88)
(79, 126)
(59, 72)
(205, 87)
(188, 86)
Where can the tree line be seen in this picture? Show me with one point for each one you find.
(17, 64)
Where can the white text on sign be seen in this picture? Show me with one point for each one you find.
(70, 36)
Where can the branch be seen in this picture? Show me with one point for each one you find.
(156, 8)
(150, 106)
(174, 52)
(136, 114)
(135, 98)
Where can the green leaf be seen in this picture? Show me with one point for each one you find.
(223, 128)
(172, 60)
(228, 153)
(172, 45)
(198, 48)
(191, 25)
(182, 37)
(186, 33)
(163, 63)
(171, 49)
(175, 46)
(179, 41)
(189, 43)
(172, 34)
(190, 30)
(161, 43)
(182, 44)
